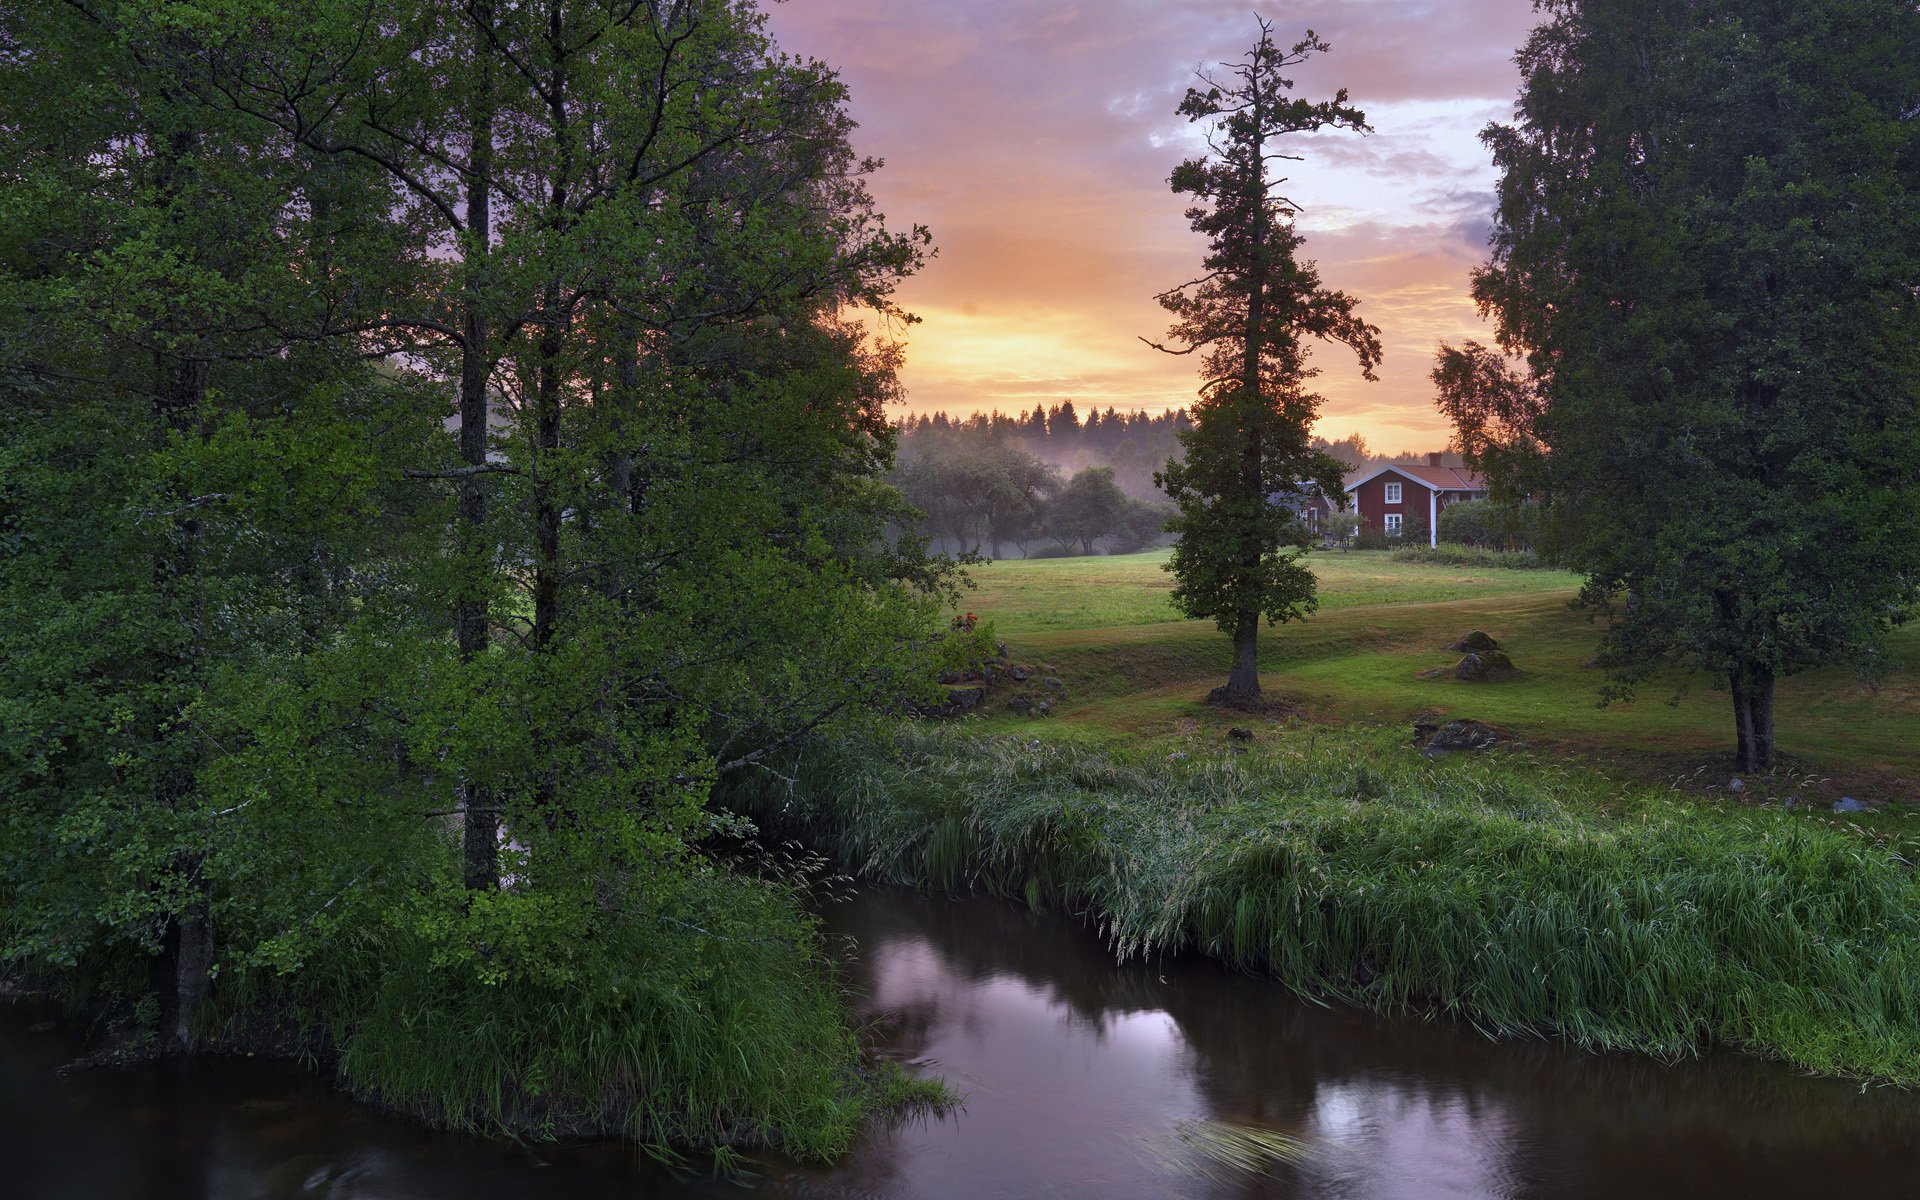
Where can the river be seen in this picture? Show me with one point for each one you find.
(1149, 1081)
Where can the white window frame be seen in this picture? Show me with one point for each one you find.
(1393, 493)
(1393, 522)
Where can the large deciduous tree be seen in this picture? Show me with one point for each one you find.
(1708, 251)
(1253, 315)
(270, 626)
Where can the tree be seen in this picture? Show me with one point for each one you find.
(1253, 314)
(1142, 524)
(1088, 508)
(255, 255)
(1343, 526)
(1708, 251)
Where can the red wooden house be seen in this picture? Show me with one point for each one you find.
(1400, 496)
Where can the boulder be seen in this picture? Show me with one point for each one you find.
(966, 699)
(1850, 805)
(1487, 666)
(1020, 706)
(1044, 707)
(1239, 735)
(1475, 643)
(1052, 684)
(1456, 736)
(1019, 674)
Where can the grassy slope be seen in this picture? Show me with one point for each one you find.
(1135, 668)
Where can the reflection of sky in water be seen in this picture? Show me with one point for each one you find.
(1062, 1102)
(1389, 1141)
(1052, 1093)
(1083, 1079)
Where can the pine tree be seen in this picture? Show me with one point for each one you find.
(1252, 315)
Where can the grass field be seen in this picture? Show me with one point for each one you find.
(1134, 668)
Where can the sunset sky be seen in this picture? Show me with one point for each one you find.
(1035, 138)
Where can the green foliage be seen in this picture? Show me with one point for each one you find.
(1253, 315)
(1454, 555)
(698, 1016)
(1520, 897)
(987, 489)
(1088, 507)
(1493, 524)
(269, 625)
(1707, 248)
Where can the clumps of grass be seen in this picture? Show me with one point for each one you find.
(1524, 898)
(1452, 555)
(698, 1016)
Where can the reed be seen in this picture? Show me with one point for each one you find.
(1523, 897)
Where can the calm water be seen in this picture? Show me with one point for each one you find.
(1083, 1080)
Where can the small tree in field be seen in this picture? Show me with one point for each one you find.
(1253, 313)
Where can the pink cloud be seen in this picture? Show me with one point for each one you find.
(1035, 139)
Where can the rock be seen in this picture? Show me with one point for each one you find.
(1052, 684)
(1475, 643)
(987, 674)
(1239, 735)
(1735, 785)
(1792, 801)
(1020, 706)
(1456, 736)
(1177, 756)
(1000, 649)
(966, 699)
(1019, 674)
(1488, 666)
(1849, 804)
(1044, 707)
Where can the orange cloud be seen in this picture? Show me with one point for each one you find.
(1035, 139)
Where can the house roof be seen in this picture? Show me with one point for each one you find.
(1444, 479)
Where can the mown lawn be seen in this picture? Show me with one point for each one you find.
(1134, 668)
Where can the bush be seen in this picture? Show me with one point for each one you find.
(1473, 556)
(1492, 525)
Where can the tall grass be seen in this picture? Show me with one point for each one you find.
(1523, 898)
(710, 1020)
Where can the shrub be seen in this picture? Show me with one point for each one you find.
(1473, 556)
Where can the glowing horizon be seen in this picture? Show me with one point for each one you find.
(1035, 138)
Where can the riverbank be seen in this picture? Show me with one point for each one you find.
(698, 1023)
(1523, 896)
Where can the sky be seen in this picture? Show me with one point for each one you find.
(1035, 137)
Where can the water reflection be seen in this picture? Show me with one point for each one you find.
(1168, 1079)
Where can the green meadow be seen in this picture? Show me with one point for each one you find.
(1134, 667)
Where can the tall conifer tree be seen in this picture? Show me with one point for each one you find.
(1252, 314)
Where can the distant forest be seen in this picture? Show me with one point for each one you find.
(1050, 482)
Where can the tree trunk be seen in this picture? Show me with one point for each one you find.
(1752, 688)
(1243, 682)
(480, 840)
(183, 972)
